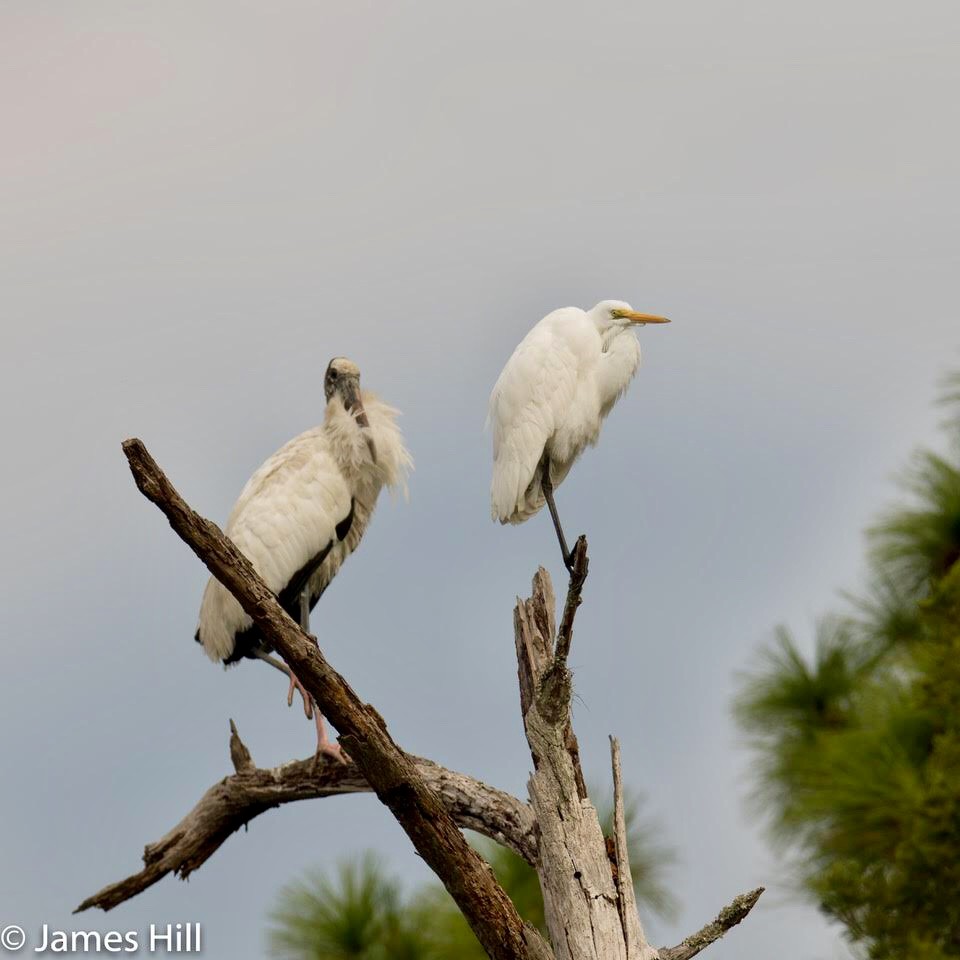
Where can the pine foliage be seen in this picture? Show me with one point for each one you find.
(857, 748)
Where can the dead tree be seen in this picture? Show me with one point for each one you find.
(588, 896)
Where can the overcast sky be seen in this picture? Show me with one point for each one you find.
(202, 203)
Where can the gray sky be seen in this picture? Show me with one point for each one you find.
(202, 203)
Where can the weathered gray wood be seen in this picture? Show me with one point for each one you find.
(234, 801)
(579, 894)
(589, 902)
(636, 942)
(728, 918)
(363, 734)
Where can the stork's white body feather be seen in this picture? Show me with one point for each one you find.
(552, 397)
(290, 509)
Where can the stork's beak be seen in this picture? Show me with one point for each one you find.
(354, 406)
(641, 318)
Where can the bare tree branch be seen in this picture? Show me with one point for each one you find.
(390, 772)
(239, 754)
(589, 902)
(728, 917)
(234, 801)
(578, 575)
(534, 637)
(633, 936)
(579, 894)
(543, 673)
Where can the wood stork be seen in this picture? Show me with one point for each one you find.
(550, 400)
(300, 516)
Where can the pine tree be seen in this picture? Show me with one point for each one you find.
(361, 913)
(858, 751)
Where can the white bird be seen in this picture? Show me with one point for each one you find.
(551, 399)
(300, 516)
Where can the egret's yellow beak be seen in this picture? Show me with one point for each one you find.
(640, 318)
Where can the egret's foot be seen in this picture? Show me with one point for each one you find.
(569, 558)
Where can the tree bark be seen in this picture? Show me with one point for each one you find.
(726, 920)
(582, 905)
(363, 734)
(234, 801)
(633, 936)
(588, 898)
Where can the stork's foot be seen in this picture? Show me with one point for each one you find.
(309, 708)
(296, 685)
(325, 746)
(332, 751)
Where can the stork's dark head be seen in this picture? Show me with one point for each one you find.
(342, 379)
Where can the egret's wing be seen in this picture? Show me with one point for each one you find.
(535, 388)
(286, 515)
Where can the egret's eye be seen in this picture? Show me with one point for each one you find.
(333, 375)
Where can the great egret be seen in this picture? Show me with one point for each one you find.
(550, 400)
(300, 516)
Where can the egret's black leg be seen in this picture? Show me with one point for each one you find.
(547, 486)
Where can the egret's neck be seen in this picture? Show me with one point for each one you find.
(618, 363)
(609, 335)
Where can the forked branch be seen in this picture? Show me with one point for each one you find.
(588, 899)
(234, 801)
(582, 909)
(726, 920)
(589, 902)
(391, 773)
(633, 936)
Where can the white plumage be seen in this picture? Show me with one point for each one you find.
(552, 397)
(289, 512)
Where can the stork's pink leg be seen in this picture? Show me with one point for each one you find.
(325, 746)
(295, 684)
